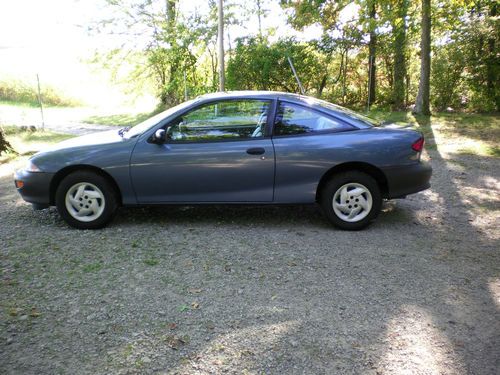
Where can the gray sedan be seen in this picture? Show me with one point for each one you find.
(232, 148)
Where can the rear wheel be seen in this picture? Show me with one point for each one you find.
(351, 200)
(86, 200)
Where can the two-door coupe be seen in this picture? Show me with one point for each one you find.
(232, 148)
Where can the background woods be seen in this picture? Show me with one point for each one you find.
(367, 50)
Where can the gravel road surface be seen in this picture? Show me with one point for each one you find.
(258, 290)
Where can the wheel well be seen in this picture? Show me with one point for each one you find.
(59, 176)
(369, 169)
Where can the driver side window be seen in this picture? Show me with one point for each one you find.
(224, 120)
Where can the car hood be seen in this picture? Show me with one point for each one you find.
(94, 139)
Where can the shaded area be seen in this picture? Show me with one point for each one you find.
(258, 289)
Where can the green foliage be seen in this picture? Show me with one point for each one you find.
(446, 77)
(258, 65)
(178, 52)
(305, 13)
(467, 69)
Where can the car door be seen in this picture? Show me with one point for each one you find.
(307, 143)
(216, 152)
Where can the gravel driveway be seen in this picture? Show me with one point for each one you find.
(252, 290)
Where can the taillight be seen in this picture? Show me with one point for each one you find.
(418, 145)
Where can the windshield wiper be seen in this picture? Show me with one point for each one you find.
(123, 130)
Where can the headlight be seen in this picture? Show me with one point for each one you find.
(31, 167)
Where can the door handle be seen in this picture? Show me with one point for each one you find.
(256, 151)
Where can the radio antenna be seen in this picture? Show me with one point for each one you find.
(296, 76)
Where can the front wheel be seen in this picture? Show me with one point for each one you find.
(351, 200)
(86, 200)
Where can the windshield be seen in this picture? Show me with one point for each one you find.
(152, 121)
(366, 120)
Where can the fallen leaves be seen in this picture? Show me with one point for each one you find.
(175, 342)
(35, 313)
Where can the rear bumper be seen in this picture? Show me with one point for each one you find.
(36, 186)
(408, 179)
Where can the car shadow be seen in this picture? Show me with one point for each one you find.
(461, 309)
(260, 215)
(184, 289)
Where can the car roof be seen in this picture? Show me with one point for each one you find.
(252, 94)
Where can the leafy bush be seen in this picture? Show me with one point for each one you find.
(446, 77)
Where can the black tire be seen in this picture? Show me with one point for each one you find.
(359, 202)
(98, 197)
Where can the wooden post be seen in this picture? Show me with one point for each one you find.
(40, 101)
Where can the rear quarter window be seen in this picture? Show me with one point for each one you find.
(292, 119)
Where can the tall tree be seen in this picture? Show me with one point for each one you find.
(399, 32)
(423, 96)
(492, 61)
(220, 33)
(154, 38)
(372, 52)
(325, 13)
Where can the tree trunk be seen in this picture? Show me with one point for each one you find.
(322, 85)
(372, 49)
(171, 6)
(344, 78)
(492, 65)
(422, 104)
(399, 30)
(259, 17)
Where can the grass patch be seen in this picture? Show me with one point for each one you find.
(19, 93)
(392, 117)
(151, 262)
(19, 104)
(26, 142)
(480, 149)
(469, 134)
(122, 119)
(92, 267)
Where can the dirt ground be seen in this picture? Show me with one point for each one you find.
(253, 290)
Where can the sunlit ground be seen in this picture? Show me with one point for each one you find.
(467, 143)
(419, 335)
(415, 344)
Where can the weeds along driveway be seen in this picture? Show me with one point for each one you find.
(259, 289)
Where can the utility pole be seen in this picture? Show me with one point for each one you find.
(221, 46)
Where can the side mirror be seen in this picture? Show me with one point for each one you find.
(159, 136)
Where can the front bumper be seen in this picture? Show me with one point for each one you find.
(408, 179)
(35, 186)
